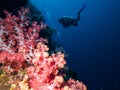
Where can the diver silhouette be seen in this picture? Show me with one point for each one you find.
(67, 21)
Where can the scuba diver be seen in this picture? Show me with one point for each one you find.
(67, 21)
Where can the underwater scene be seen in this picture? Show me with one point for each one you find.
(59, 45)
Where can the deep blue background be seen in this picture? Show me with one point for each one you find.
(94, 46)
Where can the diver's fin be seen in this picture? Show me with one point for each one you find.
(83, 7)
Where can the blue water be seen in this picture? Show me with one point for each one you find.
(94, 46)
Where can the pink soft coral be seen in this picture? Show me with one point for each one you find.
(21, 47)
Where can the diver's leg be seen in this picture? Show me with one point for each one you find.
(82, 8)
(78, 16)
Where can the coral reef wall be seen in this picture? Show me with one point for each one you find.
(11, 5)
(25, 61)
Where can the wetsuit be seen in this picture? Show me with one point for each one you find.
(67, 21)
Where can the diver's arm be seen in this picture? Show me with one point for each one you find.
(78, 16)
